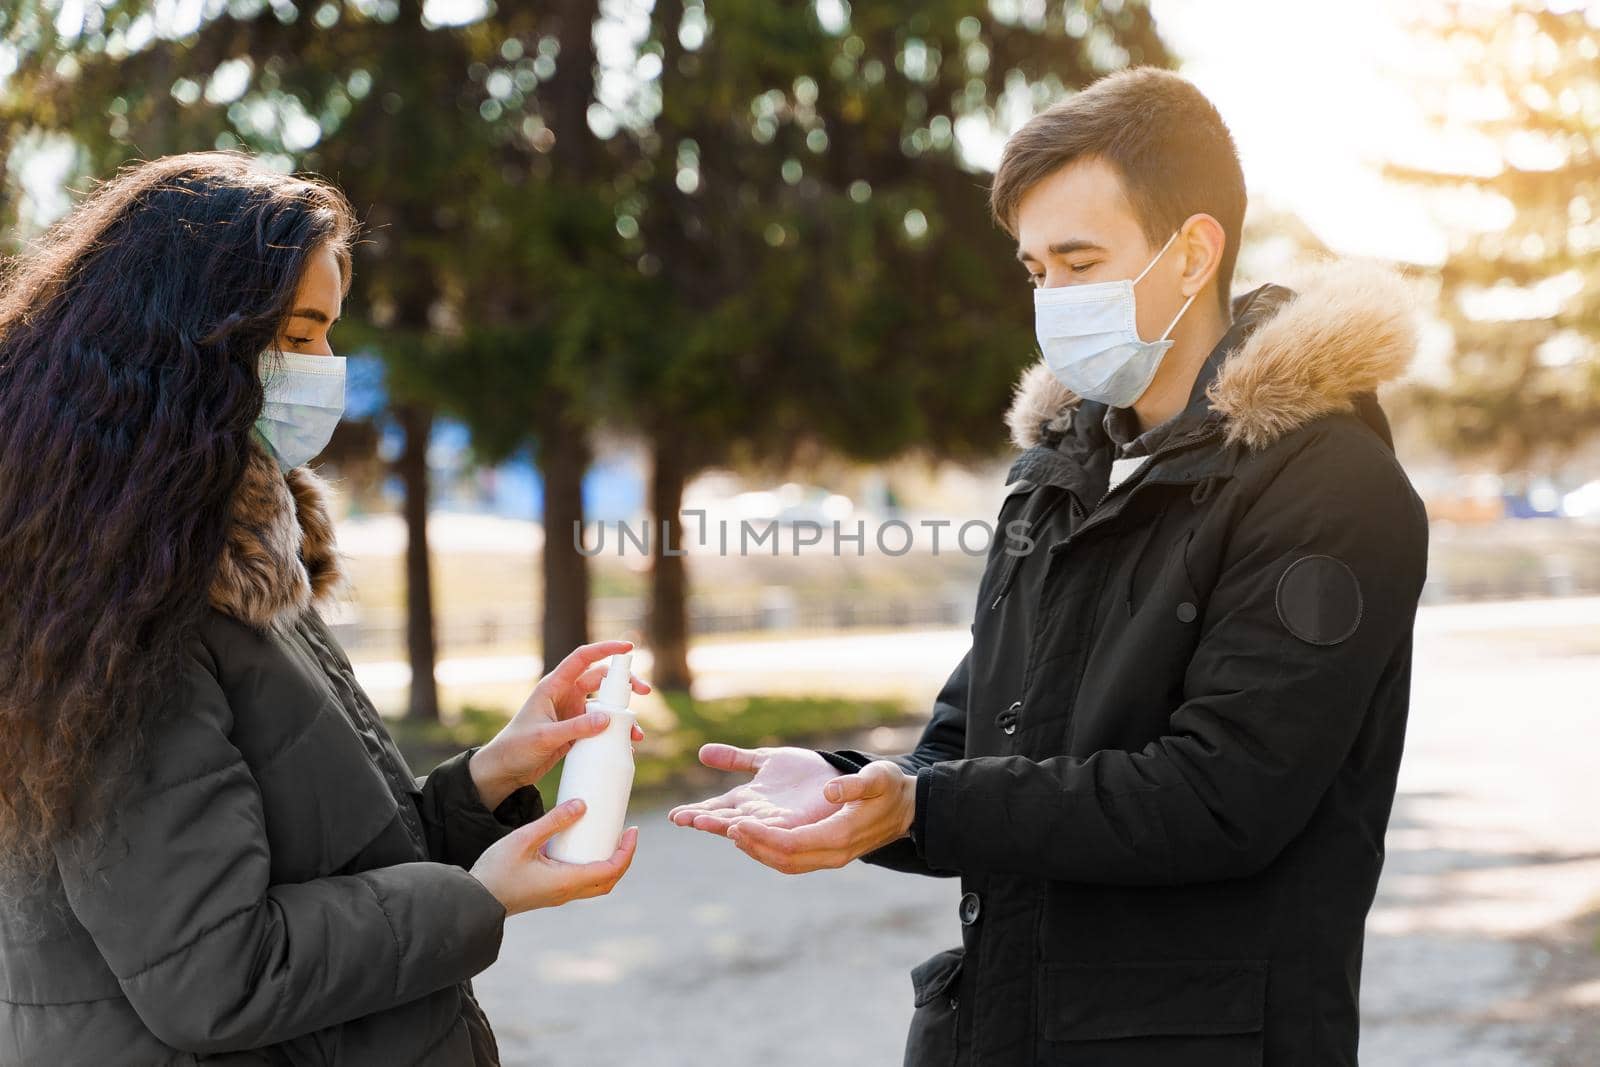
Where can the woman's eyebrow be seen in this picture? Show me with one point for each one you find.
(311, 313)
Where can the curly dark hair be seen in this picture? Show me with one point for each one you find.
(130, 338)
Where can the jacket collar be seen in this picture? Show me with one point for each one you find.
(1293, 354)
(279, 560)
(1247, 312)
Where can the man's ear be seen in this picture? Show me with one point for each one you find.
(1201, 239)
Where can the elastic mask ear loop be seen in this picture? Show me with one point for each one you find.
(1178, 316)
(1157, 258)
(1186, 303)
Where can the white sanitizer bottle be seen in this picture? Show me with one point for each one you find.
(599, 771)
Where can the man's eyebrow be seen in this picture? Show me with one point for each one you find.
(310, 313)
(1064, 248)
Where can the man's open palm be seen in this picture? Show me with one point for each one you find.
(785, 792)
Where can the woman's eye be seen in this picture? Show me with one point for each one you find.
(299, 340)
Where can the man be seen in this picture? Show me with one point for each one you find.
(1164, 770)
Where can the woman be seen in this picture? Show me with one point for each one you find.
(213, 850)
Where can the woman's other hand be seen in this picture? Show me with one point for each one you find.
(519, 874)
(550, 720)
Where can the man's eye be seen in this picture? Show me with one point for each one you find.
(1079, 268)
(1036, 280)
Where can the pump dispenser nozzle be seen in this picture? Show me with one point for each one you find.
(618, 684)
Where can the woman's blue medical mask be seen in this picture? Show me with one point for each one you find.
(304, 402)
(1089, 336)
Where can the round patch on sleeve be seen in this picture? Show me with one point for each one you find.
(1319, 600)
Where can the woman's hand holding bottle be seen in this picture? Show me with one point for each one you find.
(517, 868)
(550, 720)
(517, 871)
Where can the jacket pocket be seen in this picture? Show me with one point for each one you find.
(1199, 1011)
(934, 982)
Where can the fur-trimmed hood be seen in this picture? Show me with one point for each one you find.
(1346, 328)
(280, 559)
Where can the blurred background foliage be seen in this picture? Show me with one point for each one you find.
(753, 237)
(1522, 299)
(765, 201)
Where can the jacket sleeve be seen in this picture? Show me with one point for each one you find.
(944, 738)
(454, 820)
(1267, 717)
(178, 897)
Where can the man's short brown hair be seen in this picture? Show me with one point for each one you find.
(1167, 142)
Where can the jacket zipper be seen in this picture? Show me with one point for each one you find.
(1097, 517)
(400, 774)
(1015, 562)
(1077, 507)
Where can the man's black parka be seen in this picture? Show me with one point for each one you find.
(1164, 770)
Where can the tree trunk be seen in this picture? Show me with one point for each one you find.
(563, 458)
(412, 466)
(563, 446)
(668, 630)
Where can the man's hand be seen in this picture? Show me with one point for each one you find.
(798, 813)
(878, 805)
(785, 792)
(550, 720)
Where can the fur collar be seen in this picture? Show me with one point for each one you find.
(1348, 329)
(280, 559)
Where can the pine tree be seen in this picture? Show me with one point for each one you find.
(1523, 299)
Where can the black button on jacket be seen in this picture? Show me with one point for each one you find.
(1177, 845)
